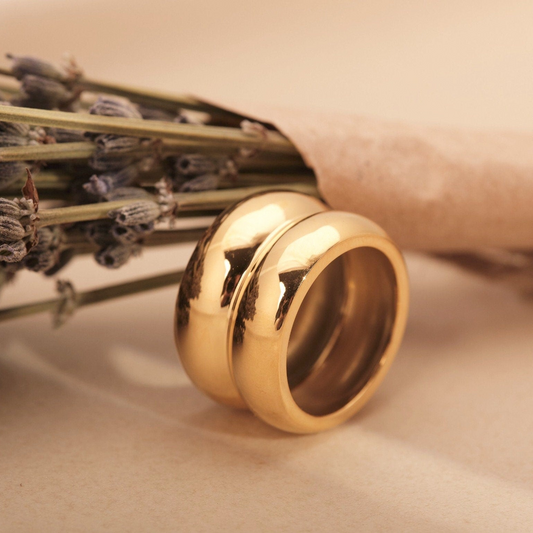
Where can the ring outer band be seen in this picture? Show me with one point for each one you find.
(260, 357)
(201, 322)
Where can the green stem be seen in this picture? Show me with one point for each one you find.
(220, 199)
(53, 186)
(47, 152)
(83, 150)
(95, 296)
(186, 201)
(271, 141)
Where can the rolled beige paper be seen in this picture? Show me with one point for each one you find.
(431, 189)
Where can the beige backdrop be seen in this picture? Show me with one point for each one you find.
(100, 430)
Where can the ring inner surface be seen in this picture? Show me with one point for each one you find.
(341, 331)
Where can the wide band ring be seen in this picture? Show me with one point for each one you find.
(292, 310)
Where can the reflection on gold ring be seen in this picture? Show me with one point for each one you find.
(291, 310)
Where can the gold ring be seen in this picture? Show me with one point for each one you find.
(292, 310)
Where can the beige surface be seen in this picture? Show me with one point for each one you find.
(100, 429)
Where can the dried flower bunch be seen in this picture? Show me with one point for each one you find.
(107, 169)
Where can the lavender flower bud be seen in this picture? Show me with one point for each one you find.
(48, 238)
(62, 135)
(11, 229)
(131, 234)
(40, 261)
(18, 208)
(99, 232)
(196, 164)
(116, 144)
(11, 172)
(145, 229)
(114, 107)
(24, 65)
(98, 185)
(105, 183)
(115, 255)
(43, 92)
(151, 113)
(10, 208)
(142, 212)
(13, 134)
(62, 261)
(124, 234)
(13, 252)
(113, 152)
(201, 183)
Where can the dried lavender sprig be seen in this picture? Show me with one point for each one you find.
(196, 165)
(131, 234)
(13, 252)
(65, 151)
(26, 65)
(103, 184)
(140, 212)
(194, 201)
(78, 242)
(37, 91)
(114, 107)
(146, 97)
(116, 255)
(11, 229)
(243, 179)
(269, 141)
(151, 98)
(46, 252)
(113, 152)
(50, 259)
(83, 299)
(54, 185)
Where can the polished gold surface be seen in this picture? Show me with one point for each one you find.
(221, 261)
(291, 310)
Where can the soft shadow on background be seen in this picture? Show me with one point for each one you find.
(99, 426)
